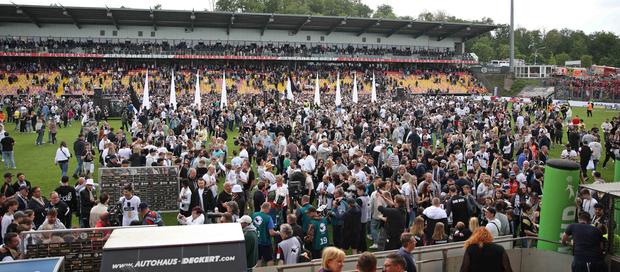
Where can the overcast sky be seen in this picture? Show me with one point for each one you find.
(590, 16)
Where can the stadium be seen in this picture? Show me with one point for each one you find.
(169, 140)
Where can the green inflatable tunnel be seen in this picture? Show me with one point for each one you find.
(558, 203)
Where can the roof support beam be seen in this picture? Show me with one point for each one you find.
(230, 23)
(301, 26)
(22, 11)
(429, 29)
(192, 18)
(66, 12)
(269, 21)
(448, 34)
(111, 16)
(378, 22)
(153, 19)
(336, 25)
(403, 26)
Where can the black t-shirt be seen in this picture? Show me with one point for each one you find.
(587, 240)
(7, 143)
(489, 257)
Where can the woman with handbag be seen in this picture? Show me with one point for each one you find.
(62, 158)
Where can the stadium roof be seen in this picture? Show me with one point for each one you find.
(119, 17)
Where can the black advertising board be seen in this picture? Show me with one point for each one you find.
(215, 257)
(157, 186)
(211, 247)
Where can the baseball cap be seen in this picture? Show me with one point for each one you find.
(245, 219)
(142, 206)
(237, 188)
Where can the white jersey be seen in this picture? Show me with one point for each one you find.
(130, 209)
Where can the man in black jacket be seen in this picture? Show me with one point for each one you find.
(202, 197)
(67, 195)
(87, 199)
(352, 227)
(64, 212)
(78, 150)
(394, 219)
(458, 206)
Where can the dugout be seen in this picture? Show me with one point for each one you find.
(208, 247)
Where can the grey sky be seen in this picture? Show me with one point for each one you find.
(589, 16)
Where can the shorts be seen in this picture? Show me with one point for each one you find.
(265, 253)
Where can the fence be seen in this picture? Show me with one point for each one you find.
(157, 186)
(82, 248)
(428, 258)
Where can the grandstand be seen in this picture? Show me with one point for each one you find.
(409, 54)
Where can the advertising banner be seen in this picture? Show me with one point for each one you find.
(559, 194)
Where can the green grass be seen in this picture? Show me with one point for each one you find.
(37, 162)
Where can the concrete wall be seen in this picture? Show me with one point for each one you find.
(215, 34)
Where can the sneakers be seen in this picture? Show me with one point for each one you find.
(368, 236)
(374, 246)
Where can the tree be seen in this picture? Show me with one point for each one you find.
(384, 11)
(552, 60)
(484, 50)
(586, 61)
(157, 7)
(562, 58)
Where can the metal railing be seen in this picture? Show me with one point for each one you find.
(315, 264)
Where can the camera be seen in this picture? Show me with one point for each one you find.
(116, 214)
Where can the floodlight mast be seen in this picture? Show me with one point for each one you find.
(512, 35)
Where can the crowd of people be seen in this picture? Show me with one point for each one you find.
(176, 47)
(588, 88)
(389, 175)
(115, 78)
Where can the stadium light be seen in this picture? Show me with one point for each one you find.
(409, 25)
(271, 19)
(192, 16)
(343, 22)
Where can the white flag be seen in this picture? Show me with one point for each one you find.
(317, 95)
(146, 102)
(223, 100)
(338, 98)
(197, 101)
(289, 91)
(173, 93)
(373, 97)
(355, 88)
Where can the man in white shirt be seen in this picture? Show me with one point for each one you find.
(493, 225)
(210, 179)
(129, 203)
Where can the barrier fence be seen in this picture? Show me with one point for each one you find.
(81, 248)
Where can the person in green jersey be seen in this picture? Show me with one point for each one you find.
(251, 241)
(302, 216)
(317, 232)
(265, 226)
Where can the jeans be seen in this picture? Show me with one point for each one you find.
(64, 166)
(78, 169)
(40, 137)
(374, 230)
(9, 161)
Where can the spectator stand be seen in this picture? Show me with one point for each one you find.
(81, 248)
(154, 185)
